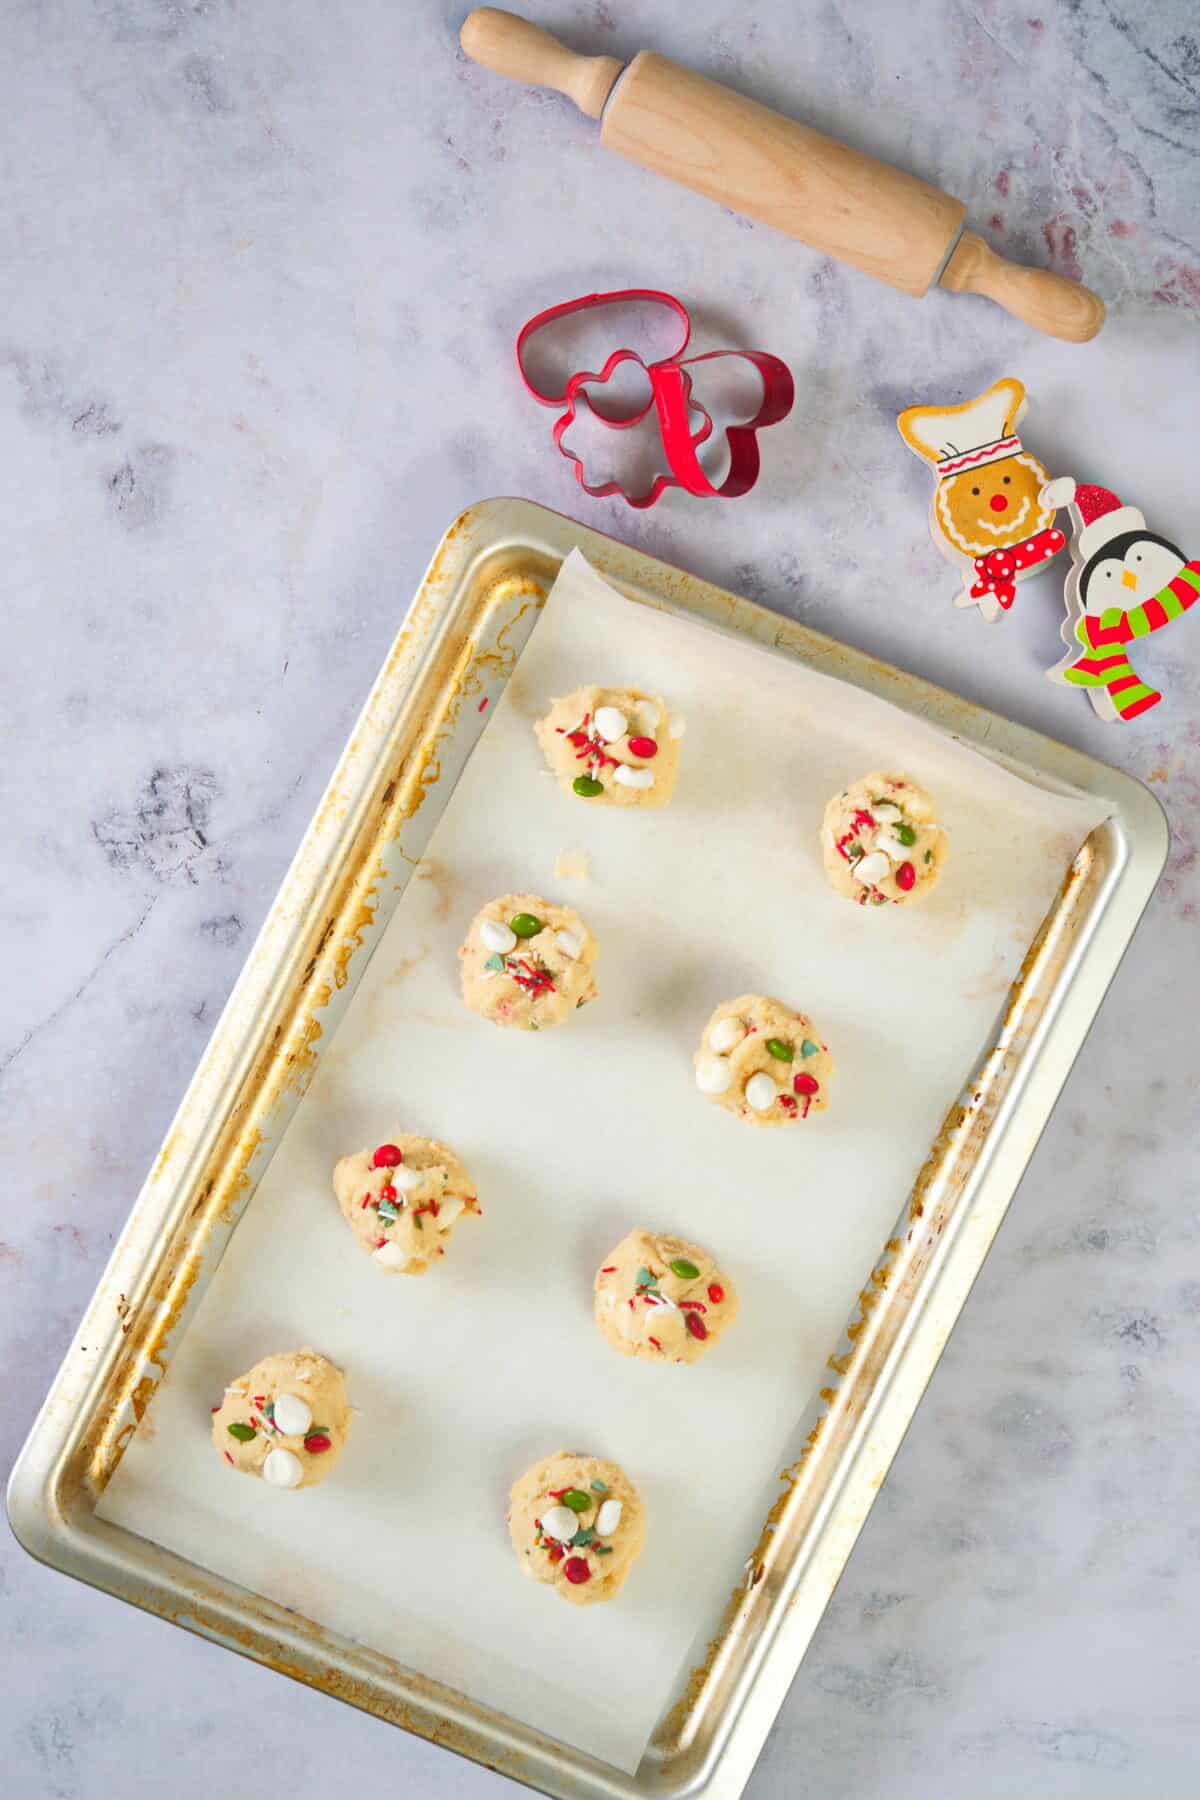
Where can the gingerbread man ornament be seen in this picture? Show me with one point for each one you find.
(988, 513)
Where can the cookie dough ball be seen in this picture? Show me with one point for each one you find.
(764, 1062)
(527, 963)
(880, 843)
(612, 746)
(663, 1298)
(403, 1199)
(284, 1421)
(577, 1523)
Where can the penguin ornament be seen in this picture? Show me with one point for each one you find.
(1124, 582)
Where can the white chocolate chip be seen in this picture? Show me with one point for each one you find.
(406, 1179)
(448, 1211)
(391, 1256)
(887, 812)
(608, 1518)
(292, 1415)
(611, 723)
(891, 846)
(569, 942)
(713, 1074)
(678, 726)
(559, 1522)
(725, 1034)
(872, 868)
(761, 1092)
(495, 935)
(282, 1469)
(628, 776)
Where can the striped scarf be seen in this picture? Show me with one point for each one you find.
(1107, 666)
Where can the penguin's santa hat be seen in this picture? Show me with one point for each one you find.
(1100, 514)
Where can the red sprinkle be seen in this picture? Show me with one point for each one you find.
(643, 747)
(556, 1493)
(656, 1343)
(366, 1203)
(388, 1192)
(387, 1156)
(862, 819)
(214, 1409)
(380, 1242)
(906, 876)
(555, 1553)
(806, 1084)
(610, 1270)
(716, 1294)
(695, 1305)
(787, 1103)
(316, 1443)
(227, 1456)
(576, 1570)
(695, 1325)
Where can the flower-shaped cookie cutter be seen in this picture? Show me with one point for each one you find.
(670, 384)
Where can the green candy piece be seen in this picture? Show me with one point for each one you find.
(598, 1487)
(686, 1271)
(524, 925)
(808, 1048)
(587, 787)
(577, 1500)
(243, 1433)
(906, 834)
(779, 1050)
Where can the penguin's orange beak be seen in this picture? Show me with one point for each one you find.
(1128, 579)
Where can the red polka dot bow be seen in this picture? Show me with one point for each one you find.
(996, 573)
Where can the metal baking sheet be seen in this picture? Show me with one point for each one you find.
(450, 664)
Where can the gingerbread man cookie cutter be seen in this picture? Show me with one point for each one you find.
(670, 397)
(987, 513)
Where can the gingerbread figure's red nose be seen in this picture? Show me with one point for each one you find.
(998, 503)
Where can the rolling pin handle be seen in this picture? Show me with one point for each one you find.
(1049, 302)
(524, 52)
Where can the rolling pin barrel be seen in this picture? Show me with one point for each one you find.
(755, 161)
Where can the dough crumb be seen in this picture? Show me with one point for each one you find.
(572, 865)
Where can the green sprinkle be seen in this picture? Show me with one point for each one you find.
(878, 899)
(495, 963)
(582, 1538)
(389, 1212)
(644, 1279)
(855, 851)
(418, 1221)
(243, 1433)
(808, 1048)
(604, 1549)
(577, 1500)
(686, 1271)
(598, 1487)
(779, 1050)
(929, 856)
(587, 787)
(905, 833)
(524, 925)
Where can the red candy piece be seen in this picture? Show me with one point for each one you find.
(806, 1084)
(906, 876)
(387, 1156)
(716, 1294)
(643, 746)
(576, 1570)
(696, 1325)
(316, 1443)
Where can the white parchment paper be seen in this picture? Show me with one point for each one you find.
(576, 1135)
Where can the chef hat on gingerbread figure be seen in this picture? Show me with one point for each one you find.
(987, 513)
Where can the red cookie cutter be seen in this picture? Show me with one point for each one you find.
(670, 396)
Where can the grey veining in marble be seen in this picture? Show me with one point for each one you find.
(262, 267)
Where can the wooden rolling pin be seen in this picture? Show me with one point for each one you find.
(755, 161)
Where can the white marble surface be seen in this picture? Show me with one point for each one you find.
(262, 267)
